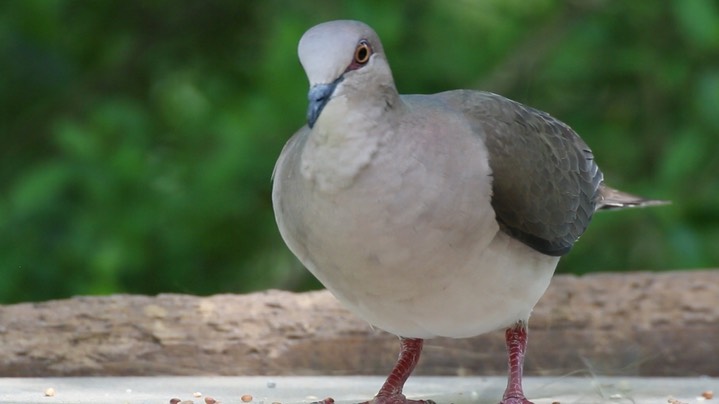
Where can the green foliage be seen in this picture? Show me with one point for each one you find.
(139, 137)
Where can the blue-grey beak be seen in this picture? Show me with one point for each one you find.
(318, 96)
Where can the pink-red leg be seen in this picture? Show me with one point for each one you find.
(516, 339)
(391, 391)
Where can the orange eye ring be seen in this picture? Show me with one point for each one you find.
(362, 52)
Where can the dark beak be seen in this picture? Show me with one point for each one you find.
(318, 96)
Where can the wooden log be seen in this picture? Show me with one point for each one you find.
(642, 324)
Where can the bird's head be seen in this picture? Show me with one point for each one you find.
(341, 54)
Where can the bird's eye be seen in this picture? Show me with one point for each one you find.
(362, 52)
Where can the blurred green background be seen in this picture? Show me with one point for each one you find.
(138, 137)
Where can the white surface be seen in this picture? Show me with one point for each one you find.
(286, 390)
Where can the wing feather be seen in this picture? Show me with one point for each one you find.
(545, 182)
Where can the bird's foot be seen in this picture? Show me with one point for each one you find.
(515, 400)
(328, 400)
(396, 399)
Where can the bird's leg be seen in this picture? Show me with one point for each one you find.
(516, 339)
(391, 391)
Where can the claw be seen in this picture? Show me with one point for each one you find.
(397, 399)
(328, 400)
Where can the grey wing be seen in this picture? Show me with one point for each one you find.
(545, 181)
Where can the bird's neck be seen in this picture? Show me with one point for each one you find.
(344, 141)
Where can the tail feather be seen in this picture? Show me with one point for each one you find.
(610, 198)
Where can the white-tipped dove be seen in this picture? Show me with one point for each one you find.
(429, 215)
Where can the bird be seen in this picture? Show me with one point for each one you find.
(440, 215)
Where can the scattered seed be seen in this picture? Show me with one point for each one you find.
(175, 401)
(197, 394)
(708, 394)
(246, 398)
(187, 402)
(210, 400)
(49, 392)
(556, 402)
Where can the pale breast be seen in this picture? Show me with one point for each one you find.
(413, 242)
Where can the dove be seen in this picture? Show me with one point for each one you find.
(438, 215)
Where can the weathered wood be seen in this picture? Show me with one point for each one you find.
(643, 324)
